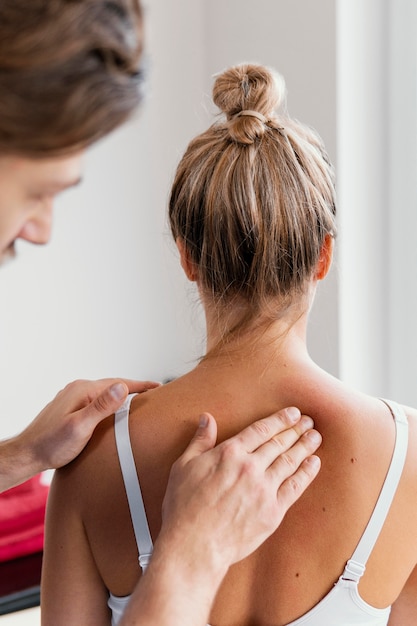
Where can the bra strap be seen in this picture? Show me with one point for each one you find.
(355, 567)
(132, 486)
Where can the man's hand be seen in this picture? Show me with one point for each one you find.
(233, 496)
(61, 431)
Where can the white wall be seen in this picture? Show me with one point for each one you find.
(298, 38)
(402, 225)
(363, 190)
(106, 297)
(377, 155)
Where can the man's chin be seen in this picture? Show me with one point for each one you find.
(8, 254)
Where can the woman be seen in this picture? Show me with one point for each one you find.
(252, 211)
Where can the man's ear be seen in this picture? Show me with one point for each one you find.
(186, 263)
(325, 260)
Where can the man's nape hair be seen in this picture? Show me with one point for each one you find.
(69, 72)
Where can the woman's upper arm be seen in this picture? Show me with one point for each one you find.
(72, 592)
(404, 609)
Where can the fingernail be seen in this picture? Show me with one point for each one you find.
(306, 422)
(314, 436)
(293, 413)
(118, 391)
(203, 422)
(313, 461)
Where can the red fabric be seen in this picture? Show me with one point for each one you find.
(22, 515)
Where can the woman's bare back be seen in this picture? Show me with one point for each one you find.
(300, 563)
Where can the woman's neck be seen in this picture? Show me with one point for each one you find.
(255, 372)
(282, 339)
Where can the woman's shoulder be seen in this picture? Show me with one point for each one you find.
(162, 420)
(93, 470)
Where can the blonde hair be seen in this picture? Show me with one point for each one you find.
(253, 196)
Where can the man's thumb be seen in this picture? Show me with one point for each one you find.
(204, 439)
(107, 402)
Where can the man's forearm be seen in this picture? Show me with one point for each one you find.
(178, 589)
(16, 463)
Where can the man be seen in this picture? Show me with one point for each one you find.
(70, 74)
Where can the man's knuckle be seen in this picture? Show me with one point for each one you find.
(289, 461)
(262, 428)
(293, 485)
(76, 383)
(248, 467)
(75, 387)
(101, 403)
(230, 449)
(278, 442)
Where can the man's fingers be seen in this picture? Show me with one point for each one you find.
(292, 488)
(268, 437)
(203, 440)
(139, 386)
(283, 441)
(288, 462)
(263, 430)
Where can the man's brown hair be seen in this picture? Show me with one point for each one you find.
(69, 72)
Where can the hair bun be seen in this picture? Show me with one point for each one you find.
(248, 88)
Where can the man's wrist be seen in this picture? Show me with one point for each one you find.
(187, 552)
(180, 573)
(17, 462)
(197, 569)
